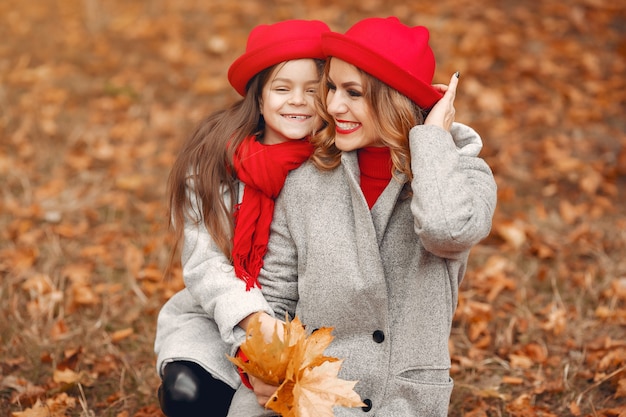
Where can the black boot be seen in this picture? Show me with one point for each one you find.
(189, 391)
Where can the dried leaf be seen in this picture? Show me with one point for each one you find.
(512, 232)
(267, 360)
(121, 334)
(574, 409)
(512, 380)
(308, 380)
(52, 407)
(65, 376)
(315, 392)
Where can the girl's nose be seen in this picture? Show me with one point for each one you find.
(297, 98)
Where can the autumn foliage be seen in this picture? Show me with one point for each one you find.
(307, 380)
(96, 97)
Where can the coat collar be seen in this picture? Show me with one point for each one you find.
(384, 206)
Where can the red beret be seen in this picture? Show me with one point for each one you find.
(272, 44)
(396, 54)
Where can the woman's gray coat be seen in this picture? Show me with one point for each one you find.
(387, 279)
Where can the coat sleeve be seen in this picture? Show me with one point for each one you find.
(454, 191)
(279, 275)
(210, 278)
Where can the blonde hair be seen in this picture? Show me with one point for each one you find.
(393, 113)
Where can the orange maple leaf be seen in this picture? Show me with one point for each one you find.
(315, 392)
(268, 360)
(308, 382)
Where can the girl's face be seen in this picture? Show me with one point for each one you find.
(287, 102)
(354, 125)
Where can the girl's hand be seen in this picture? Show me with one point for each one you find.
(269, 325)
(262, 390)
(442, 113)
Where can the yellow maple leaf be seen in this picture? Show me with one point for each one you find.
(307, 380)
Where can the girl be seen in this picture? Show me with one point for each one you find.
(221, 192)
(372, 236)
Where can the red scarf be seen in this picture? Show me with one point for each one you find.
(263, 169)
(375, 165)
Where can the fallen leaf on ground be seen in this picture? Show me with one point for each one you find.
(52, 407)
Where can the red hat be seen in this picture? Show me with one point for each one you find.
(271, 44)
(396, 54)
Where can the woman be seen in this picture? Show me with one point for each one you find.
(372, 237)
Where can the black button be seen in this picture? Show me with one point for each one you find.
(368, 405)
(378, 336)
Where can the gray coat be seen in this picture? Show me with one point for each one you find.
(200, 323)
(387, 279)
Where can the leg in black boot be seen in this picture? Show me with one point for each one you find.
(189, 391)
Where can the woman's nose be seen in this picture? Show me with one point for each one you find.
(334, 104)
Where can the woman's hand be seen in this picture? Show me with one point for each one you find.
(442, 113)
(262, 390)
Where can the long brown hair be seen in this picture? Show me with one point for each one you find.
(204, 165)
(203, 169)
(394, 115)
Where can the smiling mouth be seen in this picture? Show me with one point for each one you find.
(346, 127)
(296, 116)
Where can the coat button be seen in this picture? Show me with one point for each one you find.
(368, 405)
(378, 336)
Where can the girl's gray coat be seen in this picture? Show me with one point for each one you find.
(387, 279)
(200, 323)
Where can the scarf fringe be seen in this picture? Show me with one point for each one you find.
(250, 281)
(263, 169)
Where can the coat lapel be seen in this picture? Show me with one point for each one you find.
(385, 205)
(372, 222)
(377, 219)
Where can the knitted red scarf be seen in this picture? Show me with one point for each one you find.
(375, 165)
(263, 169)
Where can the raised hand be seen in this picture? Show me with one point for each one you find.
(442, 113)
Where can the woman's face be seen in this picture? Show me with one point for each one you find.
(354, 125)
(287, 102)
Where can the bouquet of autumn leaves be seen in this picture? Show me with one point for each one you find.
(307, 380)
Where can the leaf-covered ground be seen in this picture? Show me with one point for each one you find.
(96, 96)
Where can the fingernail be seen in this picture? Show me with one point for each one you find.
(458, 74)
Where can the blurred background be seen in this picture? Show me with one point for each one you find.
(96, 97)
